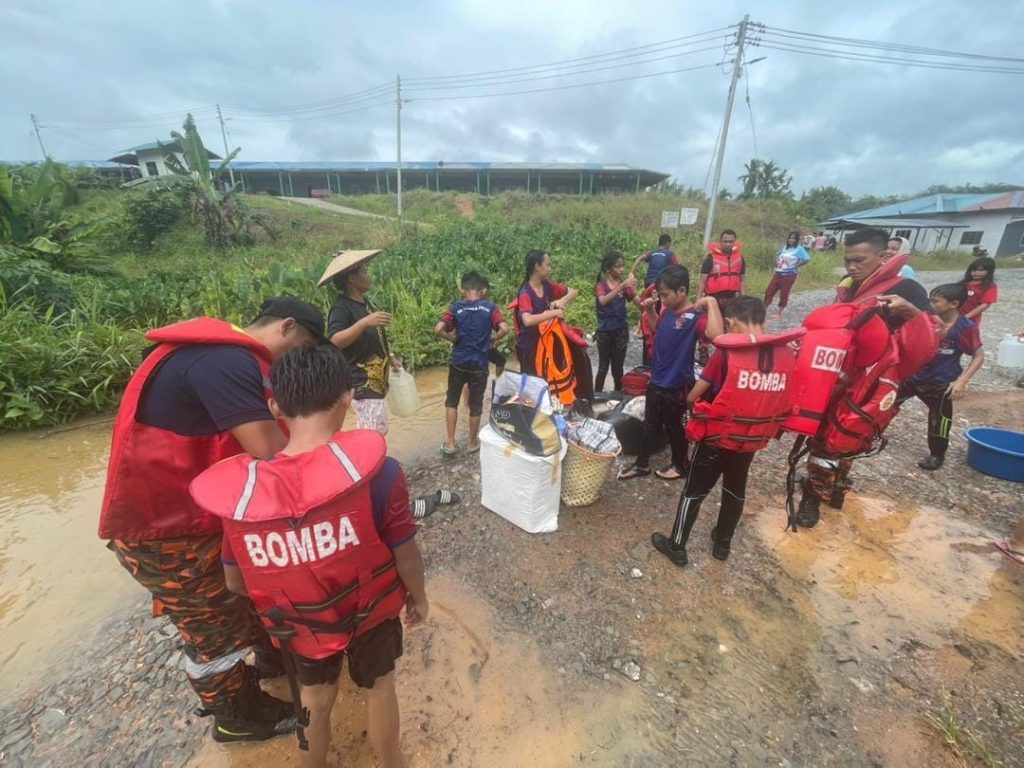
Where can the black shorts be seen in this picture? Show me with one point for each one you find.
(458, 377)
(497, 357)
(370, 656)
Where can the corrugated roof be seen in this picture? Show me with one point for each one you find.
(902, 223)
(944, 203)
(269, 165)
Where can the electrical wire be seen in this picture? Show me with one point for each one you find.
(556, 64)
(312, 117)
(830, 53)
(130, 120)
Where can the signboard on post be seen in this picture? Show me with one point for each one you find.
(669, 219)
(688, 216)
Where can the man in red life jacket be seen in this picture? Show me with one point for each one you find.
(321, 537)
(739, 403)
(200, 396)
(906, 311)
(722, 273)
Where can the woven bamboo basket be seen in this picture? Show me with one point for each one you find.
(583, 475)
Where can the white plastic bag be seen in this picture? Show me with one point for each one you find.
(521, 488)
(403, 399)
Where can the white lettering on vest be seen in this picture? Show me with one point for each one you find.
(276, 550)
(761, 382)
(828, 359)
(254, 546)
(302, 545)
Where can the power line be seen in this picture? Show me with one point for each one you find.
(310, 117)
(315, 105)
(524, 69)
(129, 120)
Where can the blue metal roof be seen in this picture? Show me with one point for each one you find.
(940, 203)
(258, 165)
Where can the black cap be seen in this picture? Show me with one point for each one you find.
(304, 313)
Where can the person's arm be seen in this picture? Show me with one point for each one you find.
(715, 325)
(446, 333)
(697, 391)
(529, 320)
(500, 332)
(636, 262)
(233, 579)
(348, 336)
(409, 564)
(262, 439)
(957, 389)
(609, 295)
(648, 305)
(743, 275)
(977, 311)
(567, 298)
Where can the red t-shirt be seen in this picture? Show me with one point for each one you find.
(714, 374)
(976, 296)
(392, 516)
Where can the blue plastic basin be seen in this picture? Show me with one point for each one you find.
(996, 452)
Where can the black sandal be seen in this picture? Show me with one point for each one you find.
(632, 472)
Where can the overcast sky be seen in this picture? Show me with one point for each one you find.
(110, 75)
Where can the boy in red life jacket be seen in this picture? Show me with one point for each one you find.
(321, 538)
(739, 403)
(200, 396)
(872, 282)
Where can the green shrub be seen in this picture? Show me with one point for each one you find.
(151, 214)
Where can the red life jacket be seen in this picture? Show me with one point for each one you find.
(302, 530)
(756, 396)
(146, 495)
(725, 272)
(646, 329)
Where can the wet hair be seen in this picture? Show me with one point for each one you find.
(675, 277)
(665, 240)
(474, 281)
(310, 379)
(533, 260)
(951, 292)
(608, 261)
(746, 309)
(728, 232)
(985, 262)
(873, 236)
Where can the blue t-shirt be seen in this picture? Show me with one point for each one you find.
(674, 341)
(962, 338)
(788, 260)
(472, 322)
(612, 316)
(205, 389)
(657, 260)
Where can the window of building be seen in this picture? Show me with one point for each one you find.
(902, 233)
(151, 169)
(1020, 243)
(971, 237)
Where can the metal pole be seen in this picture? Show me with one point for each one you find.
(39, 138)
(736, 72)
(224, 135)
(398, 112)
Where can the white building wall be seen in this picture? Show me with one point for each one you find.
(155, 156)
(990, 224)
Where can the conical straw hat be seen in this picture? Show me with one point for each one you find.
(346, 260)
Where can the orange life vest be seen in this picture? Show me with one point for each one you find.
(302, 530)
(756, 396)
(554, 358)
(146, 495)
(726, 274)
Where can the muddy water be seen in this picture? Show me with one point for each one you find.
(57, 580)
(468, 697)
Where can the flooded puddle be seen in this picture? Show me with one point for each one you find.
(468, 697)
(57, 579)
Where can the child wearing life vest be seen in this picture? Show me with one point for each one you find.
(748, 377)
(612, 293)
(321, 539)
(469, 324)
(942, 380)
(676, 331)
(982, 292)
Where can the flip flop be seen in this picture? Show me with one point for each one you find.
(663, 474)
(423, 507)
(446, 451)
(632, 472)
(473, 448)
(1007, 549)
(444, 496)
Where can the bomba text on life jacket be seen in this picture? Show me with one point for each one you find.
(302, 545)
(828, 359)
(761, 382)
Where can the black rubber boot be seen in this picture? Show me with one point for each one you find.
(719, 549)
(931, 463)
(667, 547)
(809, 511)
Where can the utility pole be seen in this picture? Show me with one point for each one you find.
(39, 138)
(398, 112)
(736, 73)
(224, 135)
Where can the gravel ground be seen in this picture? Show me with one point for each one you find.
(731, 668)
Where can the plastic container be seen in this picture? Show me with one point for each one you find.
(1011, 352)
(403, 399)
(996, 452)
(518, 486)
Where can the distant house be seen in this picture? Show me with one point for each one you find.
(150, 157)
(952, 222)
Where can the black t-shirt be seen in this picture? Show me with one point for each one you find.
(368, 355)
(204, 389)
(705, 266)
(908, 289)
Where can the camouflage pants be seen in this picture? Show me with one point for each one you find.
(828, 478)
(218, 627)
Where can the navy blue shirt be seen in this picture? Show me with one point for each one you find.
(657, 260)
(674, 342)
(612, 316)
(472, 322)
(204, 389)
(961, 339)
